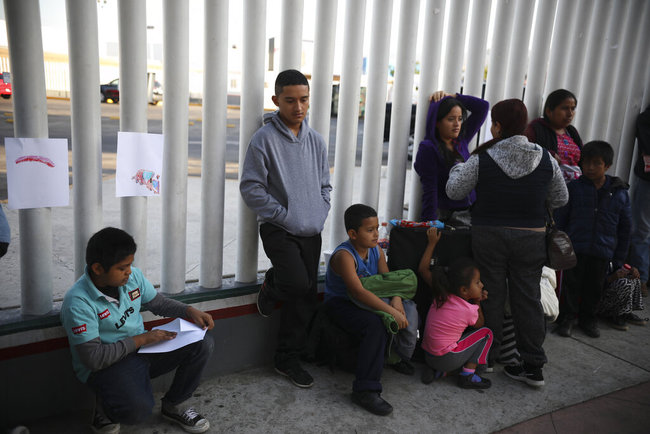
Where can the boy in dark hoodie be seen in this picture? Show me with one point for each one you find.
(598, 221)
(286, 181)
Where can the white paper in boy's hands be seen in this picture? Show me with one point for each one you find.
(186, 333)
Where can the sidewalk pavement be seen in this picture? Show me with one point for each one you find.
(592, 386)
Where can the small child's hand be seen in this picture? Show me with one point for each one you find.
(620, 273)
(433, 235)
(402, 322)
(635, 273)
(484, 295)
(396, 303)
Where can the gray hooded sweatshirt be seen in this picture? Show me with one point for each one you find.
(517, 157)
(286, 179)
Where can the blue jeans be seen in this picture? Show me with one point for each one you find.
(640, 239)
(404, 341)
(125, 387)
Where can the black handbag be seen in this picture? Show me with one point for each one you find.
(559, 249)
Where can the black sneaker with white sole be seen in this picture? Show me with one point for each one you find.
(190, 420)
(529, 375)
(296, 374)
(102, 424)
(265, 302)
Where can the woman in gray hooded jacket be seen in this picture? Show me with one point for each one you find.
(515, 182)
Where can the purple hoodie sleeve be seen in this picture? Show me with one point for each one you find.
(478, 109)
(426, 163)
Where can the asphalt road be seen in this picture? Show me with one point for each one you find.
(59, 127)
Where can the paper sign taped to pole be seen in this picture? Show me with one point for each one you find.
(139, 164)
(37, 172)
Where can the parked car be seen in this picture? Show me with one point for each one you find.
(5, 85)
(157, 93)
(111, 91)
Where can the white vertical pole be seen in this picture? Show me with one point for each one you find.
(400, 119)
(539, 59)
(132, 26)
(252, 108)
(478, 33)
(498, 59)
(291, 36)
(636, 103)
(589, 79)
(623, 87)
(455, 48)
(321, 80)
(434, 13)
(373, 127)
(646, 81)
(213, 150)
(611, 56)
(86, 126)
(175, 129)
(577, 49)
(558, 67)
(348, 117)
(23, 21)
(518, 56)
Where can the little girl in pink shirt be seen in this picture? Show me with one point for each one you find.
(456, 306)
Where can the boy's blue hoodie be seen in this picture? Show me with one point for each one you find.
(285, 178)
(598, 221)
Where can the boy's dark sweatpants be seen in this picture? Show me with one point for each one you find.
(368, 327)
(295, 273)
(582, 288)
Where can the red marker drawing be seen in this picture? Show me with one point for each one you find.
(36, 159)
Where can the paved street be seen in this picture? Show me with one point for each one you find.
(59, 127)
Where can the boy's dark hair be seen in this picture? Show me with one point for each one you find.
(555, 98)
(458, 274)
(290, 77)
(355, 214)
(108, 247)
(598, 148)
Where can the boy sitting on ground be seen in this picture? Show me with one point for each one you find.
(357, 257)
(101, 316)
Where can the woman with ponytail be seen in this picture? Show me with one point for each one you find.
(515, 182)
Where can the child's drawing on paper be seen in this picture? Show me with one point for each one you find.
(37, 172)
(139, 168)
(149, 179)
(35, 159)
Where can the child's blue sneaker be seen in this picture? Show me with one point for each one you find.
(473, 381)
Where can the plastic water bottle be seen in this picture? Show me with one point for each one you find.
(383, 240)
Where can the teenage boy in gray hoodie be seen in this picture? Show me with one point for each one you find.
(285, 180)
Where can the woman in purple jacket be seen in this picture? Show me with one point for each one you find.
(448, 133)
